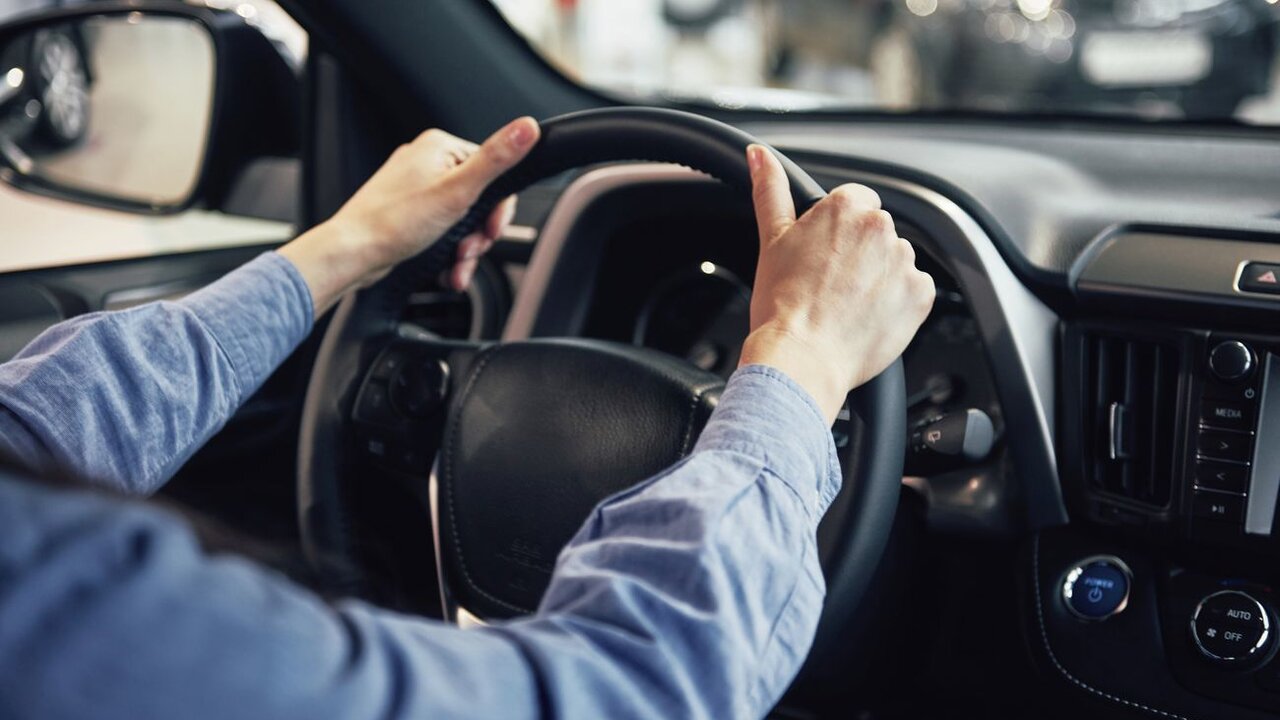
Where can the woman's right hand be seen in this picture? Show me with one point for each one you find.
(837, 294)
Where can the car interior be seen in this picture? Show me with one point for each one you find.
(1061, 502)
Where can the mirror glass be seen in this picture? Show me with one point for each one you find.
(116, 106)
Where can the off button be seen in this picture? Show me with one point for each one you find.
(1097, 587)
(1230, 627)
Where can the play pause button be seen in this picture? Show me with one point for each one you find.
(1218, 506)
(1261, 278)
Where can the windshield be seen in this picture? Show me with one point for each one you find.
(1204, 60)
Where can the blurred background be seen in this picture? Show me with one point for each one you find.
(1155, 59)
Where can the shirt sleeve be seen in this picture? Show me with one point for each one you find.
(695, 594)
(124, 398)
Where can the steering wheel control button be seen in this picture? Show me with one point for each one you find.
(1097, 587)
(1230, 626)
(1213, 505)
(1217, 445)
(1227, 477)
(1231, 361)
(419, 390)
(374, 406)
(387, 365)
(1226, 414)
(1260, 278)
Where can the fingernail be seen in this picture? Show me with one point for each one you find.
(520, 134)
(474, 250)
(753, 158)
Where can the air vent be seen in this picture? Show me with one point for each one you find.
(1131, 417)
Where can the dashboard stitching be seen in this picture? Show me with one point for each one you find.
(1044, 636)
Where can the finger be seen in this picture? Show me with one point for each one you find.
(500, 218)
(496, 155)
(855, 196)
(470, 250)
(771, 191)
(462, 273)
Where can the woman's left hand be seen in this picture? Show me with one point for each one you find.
(422, 190)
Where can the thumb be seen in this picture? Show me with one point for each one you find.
(771, 192)
(495, 156)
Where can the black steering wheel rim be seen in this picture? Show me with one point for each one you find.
(365, 319)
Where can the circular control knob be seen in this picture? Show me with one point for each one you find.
(1097, 587)
(1231, 360)
(1230, 626)
(418, 390)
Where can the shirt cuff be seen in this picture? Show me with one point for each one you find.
(258, 314)
(767, 415)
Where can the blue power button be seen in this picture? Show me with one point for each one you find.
(1097, 587)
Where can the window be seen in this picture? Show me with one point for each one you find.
(1204, 60)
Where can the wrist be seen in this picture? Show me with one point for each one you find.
(810, 366)
(331, 260)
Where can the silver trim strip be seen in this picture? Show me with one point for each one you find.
(433, 499)
(1032, 325)
(1017, 316)
(453, 613)
(520, 233)
(1264, 484)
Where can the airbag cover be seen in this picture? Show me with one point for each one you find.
(540, 432)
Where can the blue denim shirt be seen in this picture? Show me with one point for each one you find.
(694, 594)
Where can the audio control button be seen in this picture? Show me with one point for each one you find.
(1230, 626)
(1223, 446)
(1231, 361)
(1222, 476)
(1221, 506)
(1226, 414)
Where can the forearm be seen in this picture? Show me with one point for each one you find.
(693, 595)
(124, 398)
(697, 594)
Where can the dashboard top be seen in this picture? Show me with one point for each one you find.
(1046, 196)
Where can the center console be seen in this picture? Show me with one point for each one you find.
(1174, 468)
(1160, 596)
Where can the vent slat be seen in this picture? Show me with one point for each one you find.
(1132, 386)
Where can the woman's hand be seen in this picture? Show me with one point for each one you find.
(837, 294)
(423, 189)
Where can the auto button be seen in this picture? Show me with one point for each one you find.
(1231, 627)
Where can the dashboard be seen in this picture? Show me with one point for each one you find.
(1104, 302)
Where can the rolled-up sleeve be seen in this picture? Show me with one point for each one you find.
(694, 595)
(124, 398)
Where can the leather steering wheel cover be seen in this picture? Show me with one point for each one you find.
(569, 141)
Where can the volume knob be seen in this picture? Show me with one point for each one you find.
(1231, 360)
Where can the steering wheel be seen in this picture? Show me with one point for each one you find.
(528, 436)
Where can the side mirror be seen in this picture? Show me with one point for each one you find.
(132, 105)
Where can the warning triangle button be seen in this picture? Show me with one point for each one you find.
(1261, 278)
